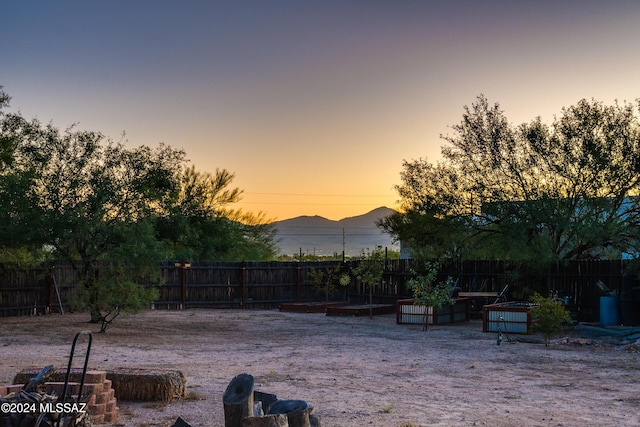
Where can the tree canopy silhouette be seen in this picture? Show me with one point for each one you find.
(568, 190)
(114, 212)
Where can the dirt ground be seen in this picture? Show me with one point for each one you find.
(354, 371)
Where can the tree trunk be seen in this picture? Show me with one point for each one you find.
(426, 318)
(238, 400)
(275, 420)
(94, 312)
(299, 418)
(297, 411)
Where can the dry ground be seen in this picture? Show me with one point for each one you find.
(354, 371)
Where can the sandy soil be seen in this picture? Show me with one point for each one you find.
(353, 371)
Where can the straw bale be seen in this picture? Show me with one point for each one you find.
(142, 385)
(139, 385)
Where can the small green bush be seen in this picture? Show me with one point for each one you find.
(429, 293)
(549, 316)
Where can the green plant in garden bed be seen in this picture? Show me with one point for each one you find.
(369, 271)
(429, 293)
(329, 280)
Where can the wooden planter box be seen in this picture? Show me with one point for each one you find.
(311, 307)
(510, 317)
(408, 313)
(361, 310)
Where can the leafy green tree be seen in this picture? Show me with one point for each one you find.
(329, 280)
(115, 285)
(369, 271)
(199, 224)
(427, 235)
(6, 144)
(15, 252)
(533, 191)
(19, 258)
(427, 292)
(257, 235)
(88, 199)
(114, 212)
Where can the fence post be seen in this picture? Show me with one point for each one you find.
(243, 284)
(298, 277)
(183, 265)
(50, 303)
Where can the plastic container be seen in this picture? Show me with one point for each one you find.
(609, 313)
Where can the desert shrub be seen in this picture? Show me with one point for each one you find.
(550, 317)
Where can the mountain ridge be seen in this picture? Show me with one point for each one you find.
(321, 236)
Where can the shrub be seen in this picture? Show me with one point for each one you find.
(429, 293)
(550, 317)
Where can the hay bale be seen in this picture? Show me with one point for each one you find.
(55, 375)
(138, 385)
(142, 385)
(24, 376)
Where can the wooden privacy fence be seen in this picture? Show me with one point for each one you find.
(266, 285)
(238, 284)
(216, 285)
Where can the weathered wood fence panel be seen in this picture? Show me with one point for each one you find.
(577, 280)
(269, 284)
(238, 284)
(36, 291)
(22, 292)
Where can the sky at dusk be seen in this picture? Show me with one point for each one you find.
(313, 105)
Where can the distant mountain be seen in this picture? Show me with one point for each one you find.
(322, 236)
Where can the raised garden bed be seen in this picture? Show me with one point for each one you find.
(409, 313)
(511, 317)
(311, 307)
(361, 310)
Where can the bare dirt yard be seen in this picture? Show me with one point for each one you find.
(354, 371)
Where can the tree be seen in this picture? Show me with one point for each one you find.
(257, 235)
(114, 212)
(369, 271)
(199, 225)
(533, 191)
(329, 279)
(14, 251)
(88, 199)
(427, 292)
(6, 144)
(114, 284)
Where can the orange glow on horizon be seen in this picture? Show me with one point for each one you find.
(280, 206)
